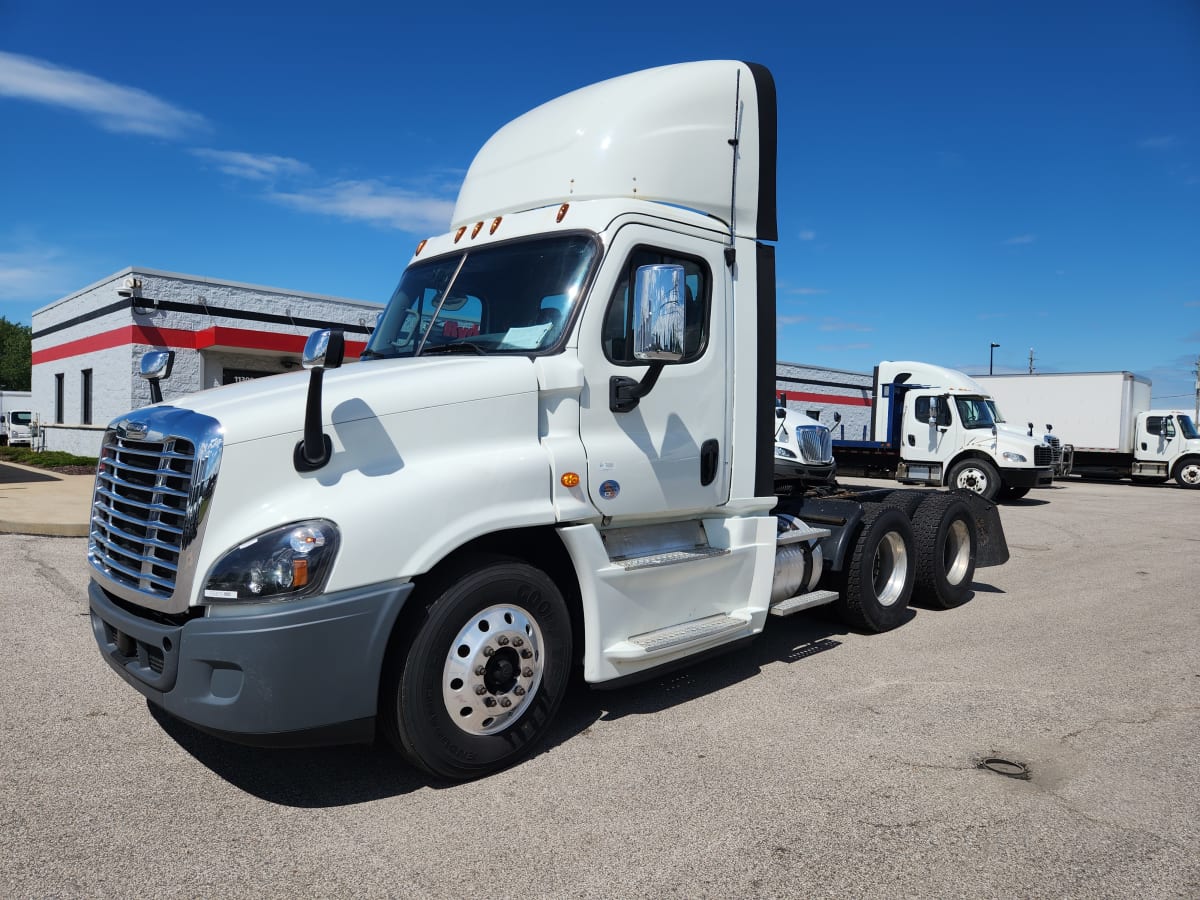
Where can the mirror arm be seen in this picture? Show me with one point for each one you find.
(625, 393)
(316, 449)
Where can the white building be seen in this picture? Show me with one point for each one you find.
(819, 392)
(87, 347)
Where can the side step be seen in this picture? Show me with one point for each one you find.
(669, 558)
(803, 601)
(674, 637)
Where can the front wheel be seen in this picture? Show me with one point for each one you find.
(976, 475)
(1187, 473)
(485, 672)
(878, 579)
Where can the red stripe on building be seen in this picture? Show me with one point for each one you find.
(824, 398)
(182, 339)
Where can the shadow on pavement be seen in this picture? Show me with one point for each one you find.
(16, 475)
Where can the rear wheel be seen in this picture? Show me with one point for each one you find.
(485, 672)
(976, 475)
(946, 543)
(1187, 472)
(878, 579)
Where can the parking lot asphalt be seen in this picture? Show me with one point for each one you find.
(817, 762)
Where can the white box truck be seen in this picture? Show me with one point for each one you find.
(16, 418)
(556, 452)
(1108, 416)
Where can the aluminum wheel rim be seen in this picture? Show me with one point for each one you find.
(1190, 474)
(493, 669)
(889, 569)
(956, 552)
(972, 479)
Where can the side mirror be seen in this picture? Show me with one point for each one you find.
(156, 365)
(837, 417)
(324, 349)
(659, 313)
(933, 410)
(780, 412)
(1030, 429)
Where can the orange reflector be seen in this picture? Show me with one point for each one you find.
(570, 479)
(475, 230)
(421, 246)
(495, 224)
(299, 572)
(562, 212)
(458, 234)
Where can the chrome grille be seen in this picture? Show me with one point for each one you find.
(1041, 455)
(815, 442)
(1056, 452)
(154, 483)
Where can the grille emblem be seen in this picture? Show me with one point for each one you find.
(133, 429)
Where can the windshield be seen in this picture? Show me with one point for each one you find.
(1188, 428)
(974, 412)
(22, 418)
(508, 298)
(996, 417)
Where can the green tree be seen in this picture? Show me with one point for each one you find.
(15, 355)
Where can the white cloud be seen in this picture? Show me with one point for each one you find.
(831, 324)
(790, 320)
(808, 235)
(840, 347)
(113, 107)
(32, 274)
(807, 291)
(1159, 142)
(1022, 239)
(255, 166)
(375, 202)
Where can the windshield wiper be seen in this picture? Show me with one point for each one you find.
(455, 347)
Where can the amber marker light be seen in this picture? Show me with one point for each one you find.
(570, 479)
(562, 212)
(476, 229)
(421, 246)
(495, 224)
(458, 234)
(299, 572)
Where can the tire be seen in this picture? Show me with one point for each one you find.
(946, 543)
(485, 672)
(976, 475)
(1012, 493)
(878, 578)
(1187, 472)
(906, 501)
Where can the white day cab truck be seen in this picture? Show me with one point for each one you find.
(320, 557)
(1114, 430)
(934, 426)
(16, 419)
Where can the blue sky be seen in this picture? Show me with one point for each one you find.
(951, 175)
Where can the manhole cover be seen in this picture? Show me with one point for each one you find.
(1005, 767)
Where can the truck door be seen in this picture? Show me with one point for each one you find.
(671, 452)
(929, 431)
(1158, 440)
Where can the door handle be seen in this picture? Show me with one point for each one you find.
(710, 453)
(912, 441)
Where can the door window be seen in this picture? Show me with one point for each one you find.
(618, 319)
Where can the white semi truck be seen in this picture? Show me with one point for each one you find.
(931, 425)
(1108, 415)
(556, 452)
(16, 418)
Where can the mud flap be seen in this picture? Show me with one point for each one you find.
(992, 549)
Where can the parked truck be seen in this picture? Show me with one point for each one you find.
(1114, 430)
(16, 418)
(426, 542)
(931, 425)
(803, 453)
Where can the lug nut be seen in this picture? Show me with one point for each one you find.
(518, 642)
(488, 651)
(502, 640)
(480, 670)
(527, 672)
(480, 689)
(489, 701)
(504, 701)
(519, 691)
(526, 653)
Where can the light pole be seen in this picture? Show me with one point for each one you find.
(992, 356)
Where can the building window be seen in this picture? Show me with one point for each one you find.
(85, 396)
(58, 398)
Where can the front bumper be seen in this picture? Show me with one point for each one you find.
(1040, 476)
(299, 674)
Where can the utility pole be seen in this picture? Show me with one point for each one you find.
(1197, 419)
(992, 356)
(1030, 360)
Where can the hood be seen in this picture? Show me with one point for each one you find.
(266, 407)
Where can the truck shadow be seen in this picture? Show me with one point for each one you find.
(342, 776)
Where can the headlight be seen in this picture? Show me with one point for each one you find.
(785, 453)
(1013, 457)
(283, 564)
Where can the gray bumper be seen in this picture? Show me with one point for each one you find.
(300, 674)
